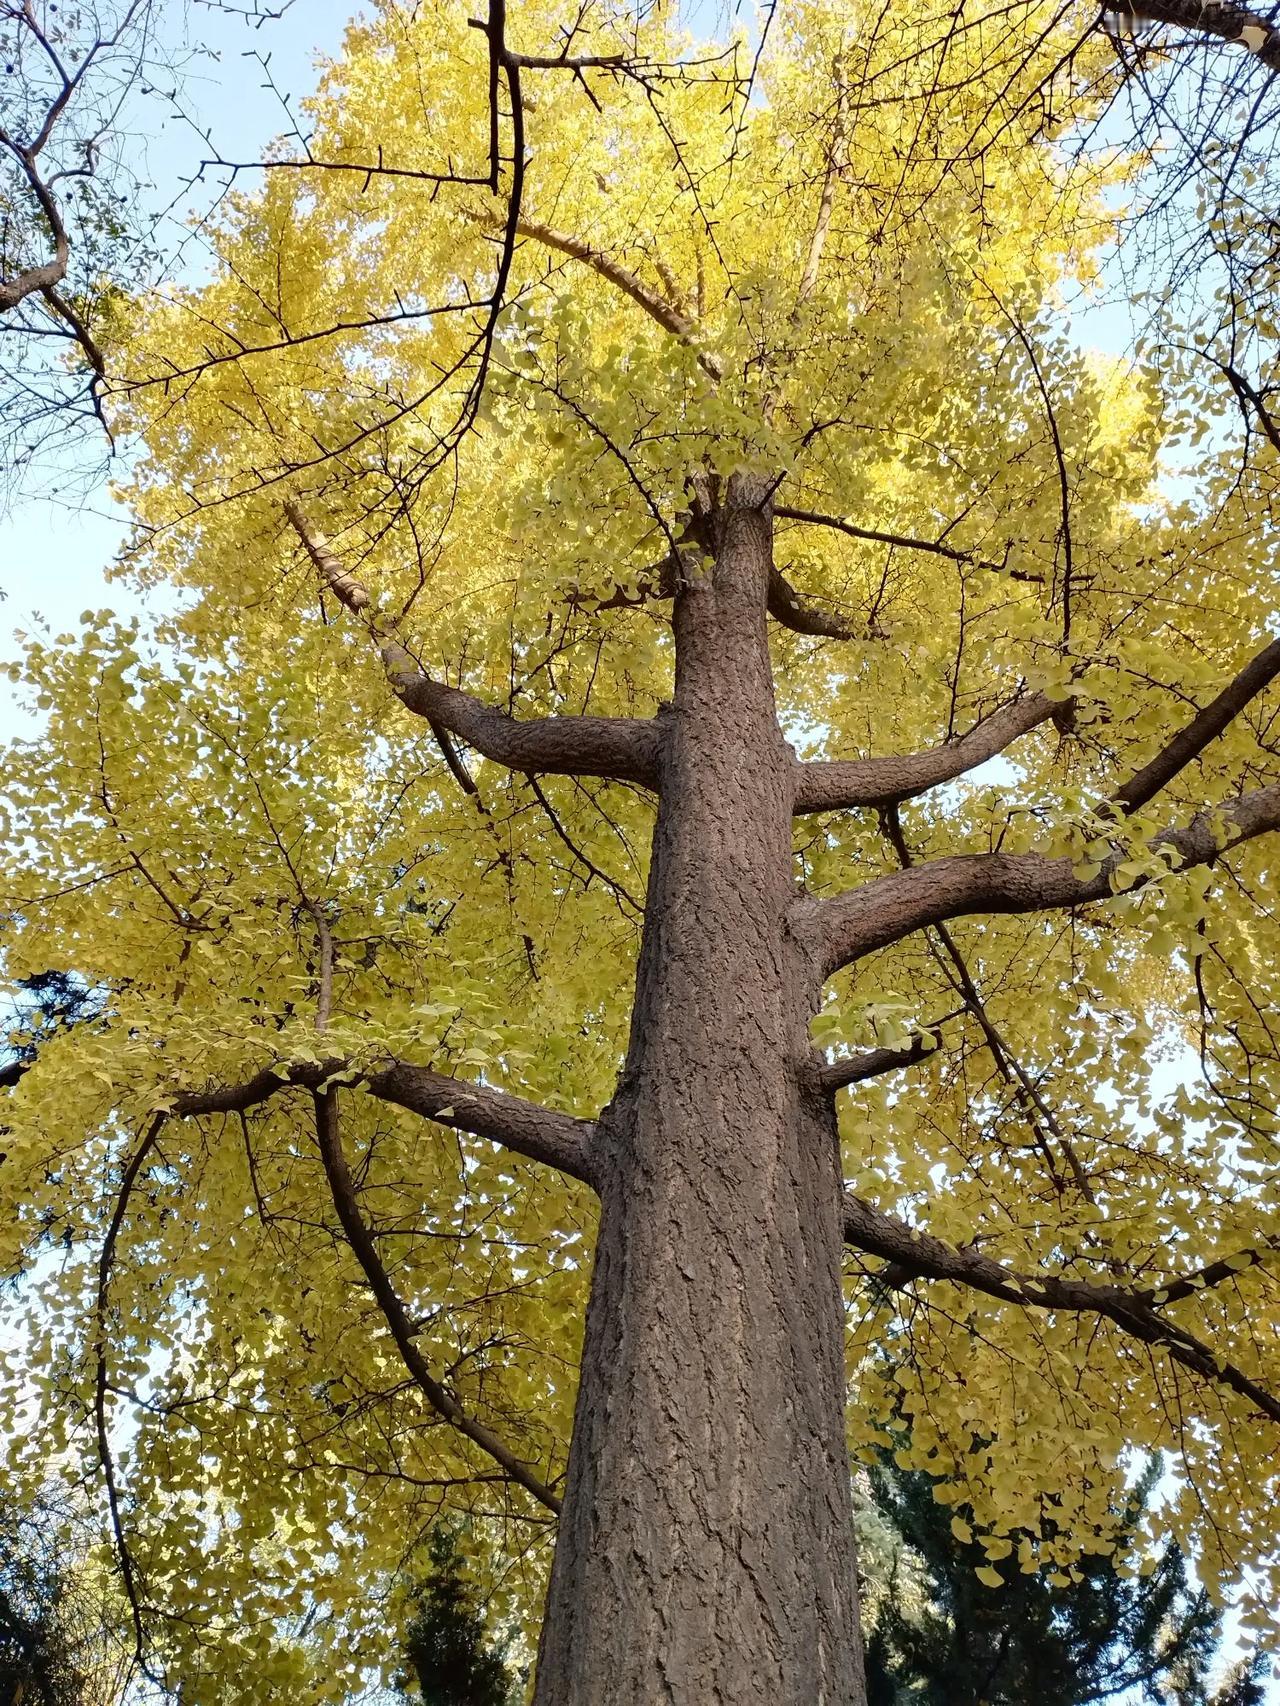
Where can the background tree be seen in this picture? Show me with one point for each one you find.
(69, 236)
(450, 1659)
(40, 1006)
(952, 1628)
(62, 1642)
(553, 927)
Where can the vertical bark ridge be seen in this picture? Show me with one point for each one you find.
(706, 1555)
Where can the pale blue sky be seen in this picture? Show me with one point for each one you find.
(55, 549)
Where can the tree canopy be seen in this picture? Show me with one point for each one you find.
(365, 812)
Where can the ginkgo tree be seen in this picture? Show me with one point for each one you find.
(697, 751)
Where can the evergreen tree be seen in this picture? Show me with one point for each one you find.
(445, 1643)
(37, 1643)
(940, 1635)
(40, 1007)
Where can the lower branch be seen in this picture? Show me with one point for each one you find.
(539, 1134)
(441, 1400)
(893, 906)
(857, 1068)
(913, 1254)
(787, 607)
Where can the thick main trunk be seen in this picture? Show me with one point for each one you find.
(705, 1554)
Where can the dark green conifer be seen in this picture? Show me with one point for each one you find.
(940, 1637)
(450, 1661)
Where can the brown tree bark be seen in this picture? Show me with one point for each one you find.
(705, 1554)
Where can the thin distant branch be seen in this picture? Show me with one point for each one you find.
(1250, 397)
(366, 169)
(1208, 1277)
(71, 72)
(826, 202)
(1060, 463)
(902, 541)
(617, 889)
(1040, 1117)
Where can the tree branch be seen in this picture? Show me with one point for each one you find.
(895, 905)
(106, 1267)
(525, 1128)
(49, 273)
(1214, 18)
(655, 305)
(903, 541)
(621, 748)
(1201, 731)
(1041, 1119)
(914, 1254)
(441, 1400)
(787, 607)
(844, 784)
(857, 1068)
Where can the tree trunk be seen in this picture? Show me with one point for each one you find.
(705, 1554)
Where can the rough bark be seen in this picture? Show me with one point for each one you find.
(705, 1554)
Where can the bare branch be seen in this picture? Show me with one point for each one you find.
(70, 79)
(914, 1254)
(895, 905)
(843, 784)
(1249, 397)
(623, 748)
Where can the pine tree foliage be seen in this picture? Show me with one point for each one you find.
(35, 1665)
(445, 1642)
(62, 1622)
(945, 1634)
